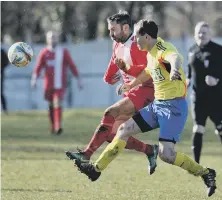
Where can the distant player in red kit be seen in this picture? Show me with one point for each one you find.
(128, 60)
(54, 60)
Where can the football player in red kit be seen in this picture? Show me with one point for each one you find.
(128, 61)
(54, 60)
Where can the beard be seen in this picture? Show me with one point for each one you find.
(119, 39)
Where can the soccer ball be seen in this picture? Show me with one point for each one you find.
(20, 54)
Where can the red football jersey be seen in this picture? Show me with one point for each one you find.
(132, 56)
(55, 65)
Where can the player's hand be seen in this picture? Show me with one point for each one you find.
(120, 63)
(175, 75)
(80, 85)
(211, 81)
(115, 78)
(122, 88)
(33, 83)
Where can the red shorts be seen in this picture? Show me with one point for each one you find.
(52, 94)
(141, 96)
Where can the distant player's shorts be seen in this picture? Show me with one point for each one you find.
(168, 115)
(141, 96)
(52, 94)
(204, 106)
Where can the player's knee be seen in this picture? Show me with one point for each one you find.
(56, 103)
(124, 131)
(167, 154)
(198, 129)
(113, 111)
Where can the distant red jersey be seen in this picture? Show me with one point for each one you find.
(55, 64)
(132, 56)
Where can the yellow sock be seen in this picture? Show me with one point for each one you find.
(187, 163)
(110, 153)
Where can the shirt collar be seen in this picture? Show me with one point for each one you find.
(153, 51)
(129, 40)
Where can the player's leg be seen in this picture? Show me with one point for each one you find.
(125, 108)
(131, 127)
(172, 116)
(132, 143)
(93, 171)
(141, 122)
(168, 154)
(3, 100)
(216, 116)
(48, 97)
(120, 111)
(199, 116)
(140, 97)
(218, 130)
(57, 107)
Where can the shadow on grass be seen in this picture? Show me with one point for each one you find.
(34, 190)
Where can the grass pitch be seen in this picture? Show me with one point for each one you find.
(34, 166)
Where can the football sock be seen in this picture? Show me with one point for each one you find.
(132, 143)
(51, 116)
(197, 146)
(135, 144)
(110, 153)
(100, 135)
(187, 163)
(57, 117)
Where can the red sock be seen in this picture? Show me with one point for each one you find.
(135, 144)
(57, 117)
(138, 145)
(51, 117)
(100, 135)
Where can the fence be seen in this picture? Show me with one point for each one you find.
(91, 59)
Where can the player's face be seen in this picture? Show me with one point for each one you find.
(116, 32)
(141, 41)
(202, 35)
(52, 39)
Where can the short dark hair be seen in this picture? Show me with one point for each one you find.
(122, 17)
(147, 27)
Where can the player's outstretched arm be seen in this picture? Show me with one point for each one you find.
(141, 78)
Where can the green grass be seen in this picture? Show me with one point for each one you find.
(34, 166)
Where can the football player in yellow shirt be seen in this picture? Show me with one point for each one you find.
(168, 111)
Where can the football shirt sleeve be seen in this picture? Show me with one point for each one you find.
(70, 63)
(111, 70)
(40, 64)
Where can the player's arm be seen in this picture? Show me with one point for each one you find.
(139, 59)
(70, 63)
(175, 60)
(188, 74)
(37, 70)
(216, 69)
(141, 78)
(72, 67)
(111, 75)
